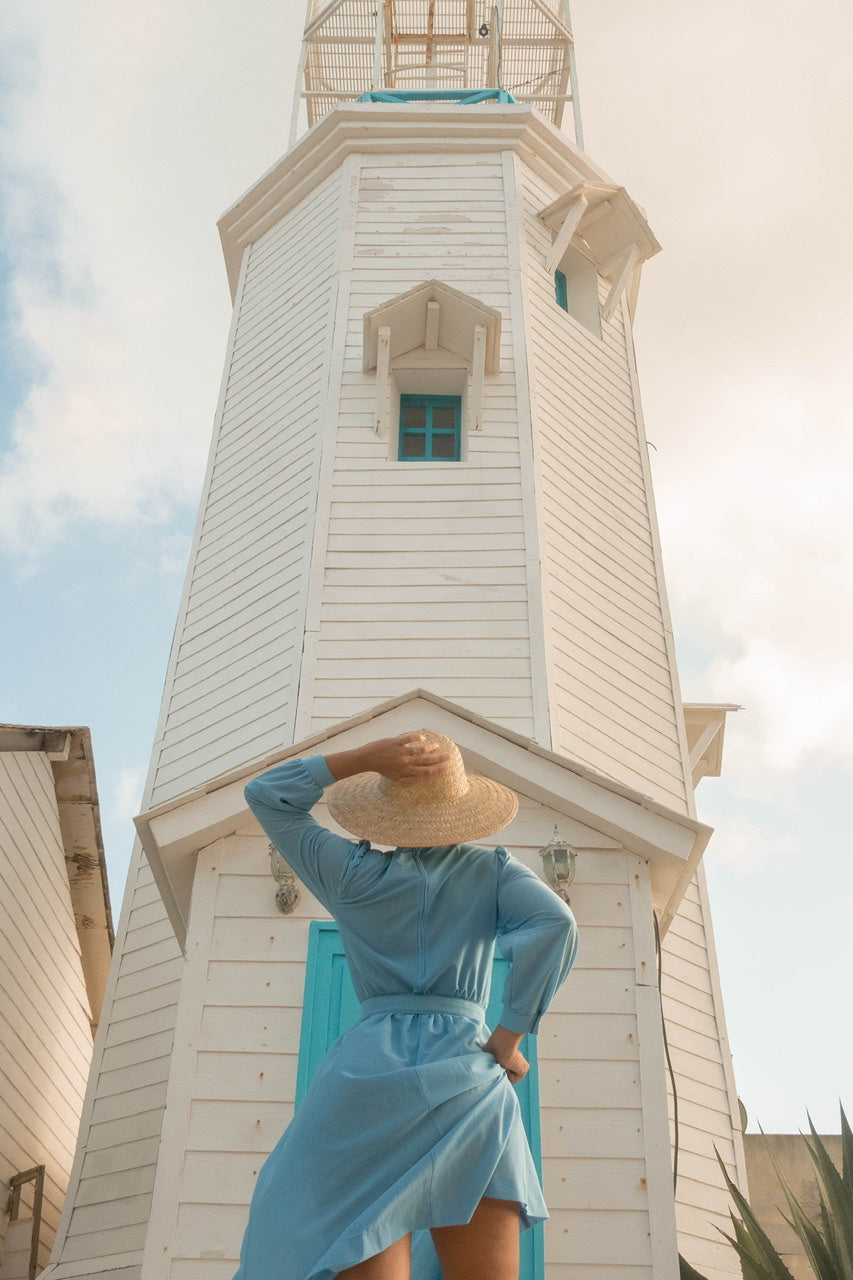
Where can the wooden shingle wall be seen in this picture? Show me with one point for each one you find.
(236, 1054)
(614, 701)
(231, 690)
(45, 1032)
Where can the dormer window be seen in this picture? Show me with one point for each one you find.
(432, 348)
(430, 428)
(599, 234)
(576, 289)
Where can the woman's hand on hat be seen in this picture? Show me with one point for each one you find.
(503, 1046)
(405, 758)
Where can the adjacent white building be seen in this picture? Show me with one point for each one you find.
(428, 503)
(55, 944)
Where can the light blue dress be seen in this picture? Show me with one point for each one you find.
(407, 1123)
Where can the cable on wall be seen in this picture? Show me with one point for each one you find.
(659, 955)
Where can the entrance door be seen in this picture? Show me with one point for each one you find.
(330, 1007)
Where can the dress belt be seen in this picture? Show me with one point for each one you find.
(414, 1002)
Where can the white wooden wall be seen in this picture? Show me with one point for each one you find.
(707, 1101)
(234, 673)
(235, 1063)
(613, 691)
(45, 1035)
(109, 1199)
(523, 582)
(420, 574)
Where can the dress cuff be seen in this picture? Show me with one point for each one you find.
(520, 1023)
(319, 771)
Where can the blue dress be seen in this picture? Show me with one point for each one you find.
(407, 1123)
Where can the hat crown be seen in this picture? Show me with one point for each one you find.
(448, 787)
(442, 808)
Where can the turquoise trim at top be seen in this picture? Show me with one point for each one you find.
(463, 96)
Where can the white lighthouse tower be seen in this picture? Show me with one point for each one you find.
(428, 503)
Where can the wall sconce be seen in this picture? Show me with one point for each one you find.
(558, 862)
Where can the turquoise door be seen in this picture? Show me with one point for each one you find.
(330, 1007)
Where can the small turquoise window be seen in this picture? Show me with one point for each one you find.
(430, 428)
(561, 290)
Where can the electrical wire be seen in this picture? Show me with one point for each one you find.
(659, 955)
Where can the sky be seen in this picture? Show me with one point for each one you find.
(127, 129)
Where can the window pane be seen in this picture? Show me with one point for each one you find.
(443, 445)
(444, 417)
(413, 445)
(414, 417)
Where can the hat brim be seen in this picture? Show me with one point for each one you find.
(363, 808)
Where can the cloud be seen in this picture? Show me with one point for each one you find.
(126, 798)
(121, 147)
(750, 849)
(757, 528)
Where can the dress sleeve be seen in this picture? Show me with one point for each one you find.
(538, 935)
(281, 800)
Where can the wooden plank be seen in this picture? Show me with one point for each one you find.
(254, 1028)
(216, 1229)
(255, 983)
(246, 1076)
(598, 1135)
(102, 1244)
(588, 1184)
(242, 1126)
(129, 1102)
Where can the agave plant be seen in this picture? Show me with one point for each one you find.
(828, 1247)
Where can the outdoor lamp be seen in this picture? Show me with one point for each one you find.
(558, 862)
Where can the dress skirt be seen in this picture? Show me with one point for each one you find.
(406, 1126)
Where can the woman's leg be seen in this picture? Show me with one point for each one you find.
(393, 1263)
(486, 1248)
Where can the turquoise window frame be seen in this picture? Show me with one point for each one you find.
(561, 290)
(429, 432)
(330, 1006)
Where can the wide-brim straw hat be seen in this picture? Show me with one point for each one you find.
(441, 809)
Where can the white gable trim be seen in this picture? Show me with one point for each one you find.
(670, 842)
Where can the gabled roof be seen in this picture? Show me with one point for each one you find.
(670, 842)
(457, 316)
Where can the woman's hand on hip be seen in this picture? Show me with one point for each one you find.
(503, 1046)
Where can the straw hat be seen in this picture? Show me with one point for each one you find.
(444, 808)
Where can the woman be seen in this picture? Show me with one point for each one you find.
(411, 1121)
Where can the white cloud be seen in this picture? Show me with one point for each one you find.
(126, 799)
(122, 146)
(758, 545)
(749, 848)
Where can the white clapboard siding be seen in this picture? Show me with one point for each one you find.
(707, 1105)
(431, 551)
(614, 704)
(232, 686)
(45, 1031)
(113, 1177)
(236, 1057)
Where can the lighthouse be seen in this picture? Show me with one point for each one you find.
(427, 504)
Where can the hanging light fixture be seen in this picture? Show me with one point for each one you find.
(558, 863)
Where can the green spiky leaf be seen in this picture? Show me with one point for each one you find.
(836, 1201)
(686, 1272)
(759, 1259)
